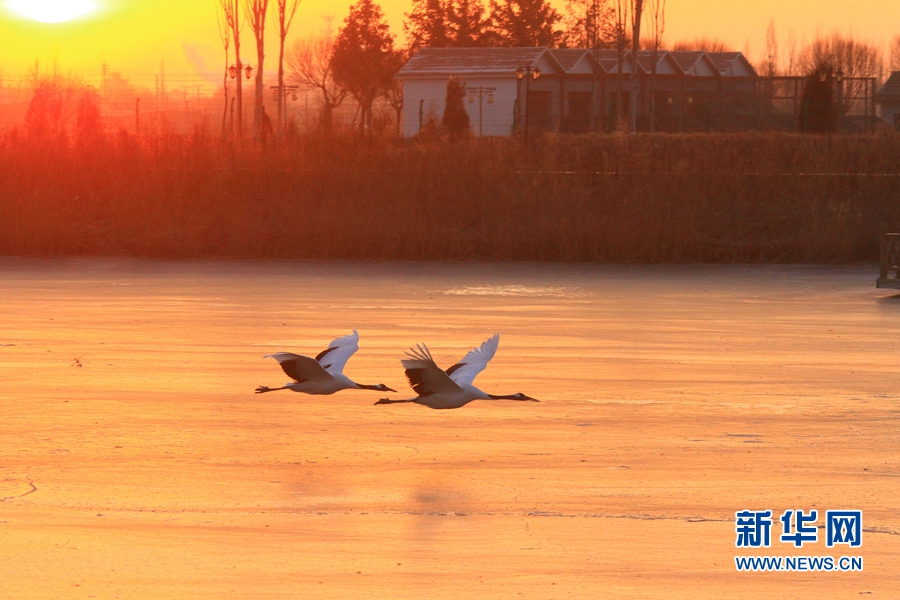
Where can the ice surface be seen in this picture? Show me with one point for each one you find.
(136, 461)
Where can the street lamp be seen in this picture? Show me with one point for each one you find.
(839, 77)
(234, 69)
(527, 73)
(234, 72)
(521, 72)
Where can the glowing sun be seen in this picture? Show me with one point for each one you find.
(52, 11)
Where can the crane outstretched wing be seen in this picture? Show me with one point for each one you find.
(425, 377)
(474, 362)
(338, 353)
(300, 368)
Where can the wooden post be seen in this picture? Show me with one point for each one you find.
(562, 90)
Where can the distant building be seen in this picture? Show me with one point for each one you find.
(888, 98)
(489, 75)
(575, 90)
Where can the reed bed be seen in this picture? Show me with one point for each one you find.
(611, 198)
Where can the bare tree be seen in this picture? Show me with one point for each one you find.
(637, 14)
(703, 44)
(770, 67)
(225, 37)
(256, 16)
(622, 8)
(656, 9)
(284, 16)
(590, 24)
(394, 92)
(836, 52)
(231, 10)
(309, 62)
(895, 53)
(790, 54)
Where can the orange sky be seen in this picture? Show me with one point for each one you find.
(134, 36)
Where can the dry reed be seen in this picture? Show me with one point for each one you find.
(612, 198)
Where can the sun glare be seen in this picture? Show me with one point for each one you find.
(52, 11)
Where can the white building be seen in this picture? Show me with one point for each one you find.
(575, 90)
(490, 77)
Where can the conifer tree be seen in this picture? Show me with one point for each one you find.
(426, 24)
(363, 60)
(468, 25)
(525, 22)
(456, 119)
(449, 23)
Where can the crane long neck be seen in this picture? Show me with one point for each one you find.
(363, 386)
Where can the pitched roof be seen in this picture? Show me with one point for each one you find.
(609, 60)
(686, 58)
(731, 63)
(444, 62)
(665, 64)
(697, 63)
(567, 57)
(463, 61)
(891, 88)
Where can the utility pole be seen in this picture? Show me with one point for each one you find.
(162, 86)
(479, 92)
(328, 29)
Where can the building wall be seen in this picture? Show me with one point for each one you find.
(695, 101)
(890, 113)
(430, 94)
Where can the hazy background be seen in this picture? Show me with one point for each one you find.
(134, 36)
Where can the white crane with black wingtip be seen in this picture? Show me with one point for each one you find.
(323, 374)
(451, 388)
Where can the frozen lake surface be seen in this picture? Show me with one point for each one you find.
(136, 461)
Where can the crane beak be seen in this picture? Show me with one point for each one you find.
(389, 389)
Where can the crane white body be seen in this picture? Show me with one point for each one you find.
(322, 375)
(452, 388)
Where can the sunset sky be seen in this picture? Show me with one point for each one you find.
(135, 36)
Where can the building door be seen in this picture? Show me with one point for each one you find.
(538, 109)
(579, 118)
